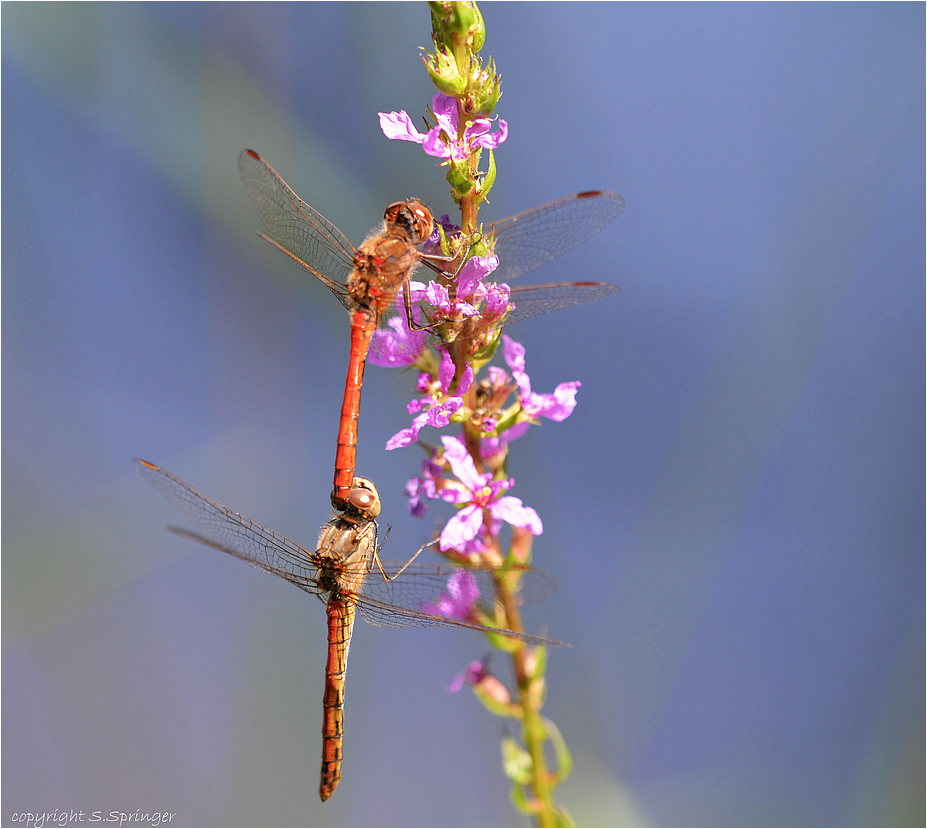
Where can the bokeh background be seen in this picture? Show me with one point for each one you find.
(735, 510)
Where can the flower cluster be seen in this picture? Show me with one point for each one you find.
(436, 406)
(450, 472)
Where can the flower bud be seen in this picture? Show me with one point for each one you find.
(492, 691)
(442, 69)
(457, 23)
(460, 179)
(477, 30)
(516, 761)
(485, 87)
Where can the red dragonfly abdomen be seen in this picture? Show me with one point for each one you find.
(363, 324)
(340, 622)
(382, 264)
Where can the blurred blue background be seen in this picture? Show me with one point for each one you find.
(735, 510)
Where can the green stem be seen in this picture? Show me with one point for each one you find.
(531, 699)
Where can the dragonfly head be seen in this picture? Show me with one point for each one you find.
(364, 498)
(411, 219)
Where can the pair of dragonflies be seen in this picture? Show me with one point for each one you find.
(345, 569)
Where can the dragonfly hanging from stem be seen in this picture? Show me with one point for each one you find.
(346, 571)
(368, 279)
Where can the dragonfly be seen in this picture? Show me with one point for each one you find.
(368, 279)
(346, 571)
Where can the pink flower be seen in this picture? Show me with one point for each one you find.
(477, 674)
(459, 600)
(478, 493)
(473, 272)
(473, 673)
(557, 406)
(439, 297)
(424, 486)
(442, 140)
(396, 344)
(440, 406)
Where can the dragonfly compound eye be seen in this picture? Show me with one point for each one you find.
(422, 224)
(365, 499)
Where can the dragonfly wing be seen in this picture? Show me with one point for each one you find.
(406, 599)
(298, 577)
(296, 228)
(386, 615)
(531, 239)
(529, 300)
(232, 533)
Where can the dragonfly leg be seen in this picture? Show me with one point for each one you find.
(429, 261)
(376, 558)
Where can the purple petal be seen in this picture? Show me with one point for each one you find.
(446, 370)
(512, 511)
(497, 300)
(473, 673)
(453, 494)
(406, 436)
(478, 127)
(457, 602)
(478, 134)
(517, 431)
(557, 406)
(415, 490)
(493, 140)
(514, 354)
(439, 416)
(400, 439)
(474, 546)
(435, 145)
(455, 453)
(417, 291)
(445, 109)
(437, 295)
(442, 607)
(457, 682)
(395, 345)
(463, 589)
(462, 527)
(489, 446)
(465, 381)
(398, 126)
(473, 271)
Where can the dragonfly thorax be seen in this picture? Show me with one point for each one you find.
(339, 578)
